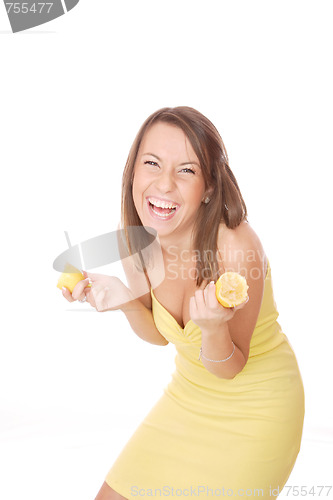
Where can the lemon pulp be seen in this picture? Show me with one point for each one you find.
(231, 289)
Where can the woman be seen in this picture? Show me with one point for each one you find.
(230, 421)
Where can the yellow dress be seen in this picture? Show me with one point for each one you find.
(210, 437)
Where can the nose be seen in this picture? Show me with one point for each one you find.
(165, 181)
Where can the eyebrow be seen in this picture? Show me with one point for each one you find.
(180, 165)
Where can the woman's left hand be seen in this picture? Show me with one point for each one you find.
(207, 312)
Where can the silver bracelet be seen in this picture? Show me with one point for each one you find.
(217, 360)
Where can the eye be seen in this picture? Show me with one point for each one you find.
(187, 170)
(150, 162)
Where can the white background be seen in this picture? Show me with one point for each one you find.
(74, 384)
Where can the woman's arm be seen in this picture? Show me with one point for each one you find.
(242, 252)
(139, 310)
(142, 322)
(108, 293)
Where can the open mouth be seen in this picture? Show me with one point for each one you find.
(162, 208)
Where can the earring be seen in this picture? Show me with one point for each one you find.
(207, 199)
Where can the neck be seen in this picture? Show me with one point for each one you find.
(172, 245)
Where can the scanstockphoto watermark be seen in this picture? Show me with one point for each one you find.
(28, 14)
(204, 490)
(195, 491)
(183, 263)
(139, 250)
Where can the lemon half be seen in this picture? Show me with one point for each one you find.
(70, 277)
(231, 289)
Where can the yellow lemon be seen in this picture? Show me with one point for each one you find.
(70, 277)
(231, 289)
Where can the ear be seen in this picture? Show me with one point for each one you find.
(210, 191)
(207, 196)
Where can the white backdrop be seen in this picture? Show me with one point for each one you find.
(75, 383)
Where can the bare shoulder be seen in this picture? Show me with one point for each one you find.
(240, 249)
(137, 267)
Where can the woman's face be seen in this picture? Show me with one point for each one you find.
(168, 184)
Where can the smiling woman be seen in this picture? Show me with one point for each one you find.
(196, 148)
(167, 193)
(232, 415)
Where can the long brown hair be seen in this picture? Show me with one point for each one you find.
(226, 202)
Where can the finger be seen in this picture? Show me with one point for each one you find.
(205, 292)
(193, 308)
(92, 276)
(203, 285)
(200, 300)
(83, 296)
(67, 294)
(212, 301)
(209, 287)
(89, 276)
(90, 296)
(78, 293)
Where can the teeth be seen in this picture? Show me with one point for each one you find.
(162, 204)
(165, 216)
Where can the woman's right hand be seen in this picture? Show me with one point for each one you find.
(106, 293)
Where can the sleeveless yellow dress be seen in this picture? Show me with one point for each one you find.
(210, 437)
